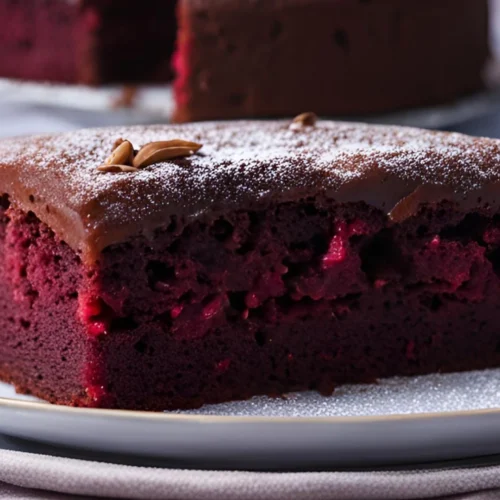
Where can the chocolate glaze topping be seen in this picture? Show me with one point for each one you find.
(242, 165)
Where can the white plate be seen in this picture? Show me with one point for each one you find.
(399, 421)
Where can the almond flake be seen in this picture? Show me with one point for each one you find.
(122, 155)
(116, 168)
(303, 120)
(118, 142)
(156, 152)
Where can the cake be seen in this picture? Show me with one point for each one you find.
(270, 58)
(259, 58)
(211, 262)
(87, 41)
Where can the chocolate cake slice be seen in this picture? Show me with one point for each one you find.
(258, 58)
(279, 256)
(273, 58)
(87, 41)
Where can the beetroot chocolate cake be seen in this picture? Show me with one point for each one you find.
(275, 58)
(280, 256)
(243, 58)
(87, 41)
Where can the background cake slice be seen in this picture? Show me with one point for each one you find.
(280, 256)
(87, 41)
(242, 58)
(273, 58)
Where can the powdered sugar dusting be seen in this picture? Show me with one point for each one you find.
(240, 163)
(436, 393)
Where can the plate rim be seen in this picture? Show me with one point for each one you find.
(142, 415)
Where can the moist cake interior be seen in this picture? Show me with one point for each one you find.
(305, 295)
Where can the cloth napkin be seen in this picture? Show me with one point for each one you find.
(42, 477)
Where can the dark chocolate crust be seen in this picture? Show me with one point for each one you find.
(242, 165)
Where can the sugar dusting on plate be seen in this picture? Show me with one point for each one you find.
(478, 390)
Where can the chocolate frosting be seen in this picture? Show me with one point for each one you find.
(242, 165)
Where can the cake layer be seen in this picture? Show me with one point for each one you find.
(281, 256)
(304, 295)
(43, 345)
